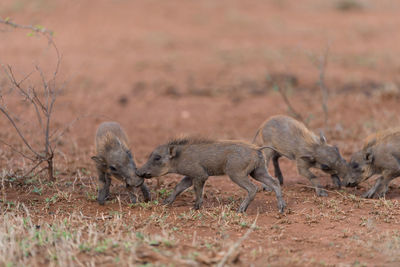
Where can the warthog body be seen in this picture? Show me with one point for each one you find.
(292, 139)
(198, 159)
(380, 155)
(114, 159)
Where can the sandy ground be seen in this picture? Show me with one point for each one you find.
(169, 68)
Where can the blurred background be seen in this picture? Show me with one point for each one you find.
(213, 68)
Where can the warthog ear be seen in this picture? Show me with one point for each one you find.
(172, 151)
(100, 161)
(129, 154)
(368, 156)
(119, 142)
(322, 137)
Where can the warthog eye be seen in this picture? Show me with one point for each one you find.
(325, 167)
(113, 169)
(157, 158)
(354, 165)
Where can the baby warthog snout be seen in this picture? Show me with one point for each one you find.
(143, 174)
(354, 173)
(348, 184)
(352, 179)
(136, 181)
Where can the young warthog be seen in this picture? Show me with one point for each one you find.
(379, 155)
(198, 159)
(292, 139)
(114, 159)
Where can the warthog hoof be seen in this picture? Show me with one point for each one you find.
(241, 209)
(197, 206)
(374, 194)
(146, 194)
(321, 192)
(377, 191)
(266, 188)
(102, 199)
(133, 198)
(168, 201)
(281, 206)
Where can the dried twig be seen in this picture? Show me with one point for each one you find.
(324, 90)
(292, 111)
(17, 151)
(37, 28)
(11, 120)
(3, 188)
(236, 245)
(60, 133)
(321, 64)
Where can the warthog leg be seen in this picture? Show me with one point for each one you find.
(184, 184)
(382, 185)
(261, 174)
(244, 182)
(303, 168)
(198, 184)
(104, 187)
(277, 169)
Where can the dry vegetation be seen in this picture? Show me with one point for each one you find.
(48, 229)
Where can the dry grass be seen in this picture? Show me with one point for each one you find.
(46, 230)
(151, 234)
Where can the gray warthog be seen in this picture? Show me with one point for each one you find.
(291, 138)
(379, 155)
(198, 159)
(114, 159)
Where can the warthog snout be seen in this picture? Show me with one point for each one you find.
(143, 174)
(349, 184)
(136, 182)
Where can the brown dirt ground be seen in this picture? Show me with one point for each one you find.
(167, 68)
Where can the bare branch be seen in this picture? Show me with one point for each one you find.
(11, 74)
(16, 150)
(43, 105)
(63, 131)
(13, 80)
(45, 84)
(292, 111)
(38, 101)
(34, 168)
(37, 29)
(5, 112)
(321, 64)
(43, 31)
(324, 90)
(47, 108)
